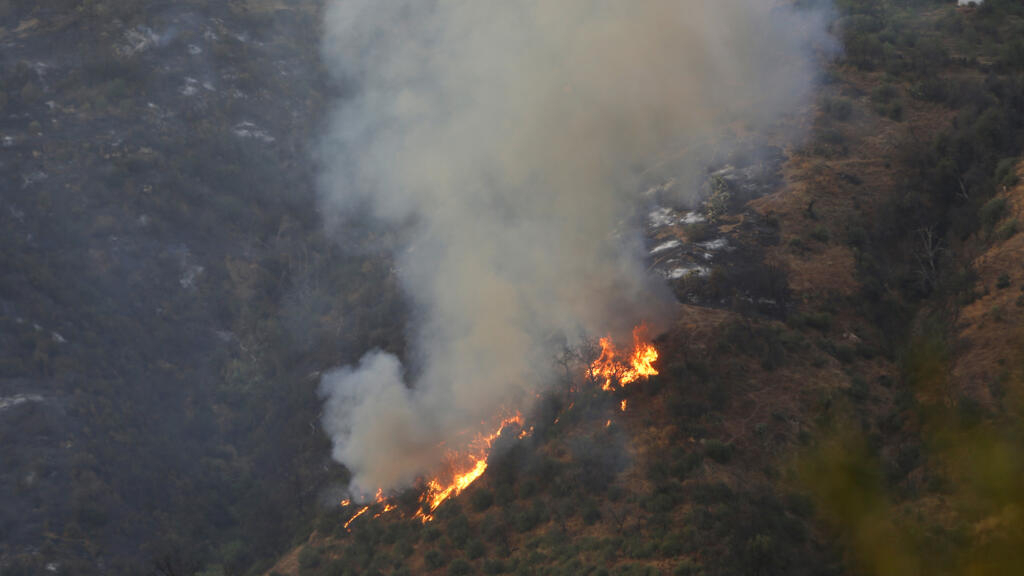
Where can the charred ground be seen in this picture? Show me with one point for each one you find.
(166, 289)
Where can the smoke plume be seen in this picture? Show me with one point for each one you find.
(507, 142)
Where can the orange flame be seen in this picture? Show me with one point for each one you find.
(387, 508)
(616, 366)
(475, 464)
(379, 498)
(356, 515)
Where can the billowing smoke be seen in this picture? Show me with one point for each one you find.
(507, 142)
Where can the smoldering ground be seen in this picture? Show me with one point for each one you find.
(507, 141)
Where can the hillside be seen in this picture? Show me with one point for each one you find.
(792, 428)
(166, 286)
(841, 380)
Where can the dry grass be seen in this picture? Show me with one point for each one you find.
(990, 329)
(819, 192)
(769, 409)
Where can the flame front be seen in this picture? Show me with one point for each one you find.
(378, 499)
(615, 366)
(356, 515)
(474, 465)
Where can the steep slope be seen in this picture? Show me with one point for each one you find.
(788, 431)
(165, 284)
(988, 329)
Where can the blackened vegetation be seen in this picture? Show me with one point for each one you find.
(737, 275)
(740, 277)
(165, 287)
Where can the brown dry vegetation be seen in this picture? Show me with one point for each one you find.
(989, 330)
(827, 398)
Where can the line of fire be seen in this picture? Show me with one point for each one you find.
(614, 368)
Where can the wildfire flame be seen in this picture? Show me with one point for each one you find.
(616, 366)
(356, 515)
(464, 469)
(379, 498)
(387, 508)
(473, 466)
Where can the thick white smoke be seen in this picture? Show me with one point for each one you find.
(505, 139)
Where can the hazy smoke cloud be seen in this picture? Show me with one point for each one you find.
(506, 140)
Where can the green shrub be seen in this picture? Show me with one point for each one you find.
(1006, 172)
(504, 494)
(493, 566)
(435, 559)
(309, 558)
(856, 237)
(1007, 230)
(458, 531)
(30, 93)
(928, 56)
(475, 549)
(858, 388)
(838, 108)
(673, 545)
(821, 234)
(829, 143)
(527, 489)
(762, 555)
(718, 451)
(894, 111)
(684, 462)
(991, 213)
(639, 547)
(1003, 281)
(845, 353)
(864, 51)
(687, 568)
(818, 320)
(1012, 57)
(884, 94)
(459, 567)
(635, 570)
(481, 500)
(431, 534)
(931, 89)
(885, 100)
